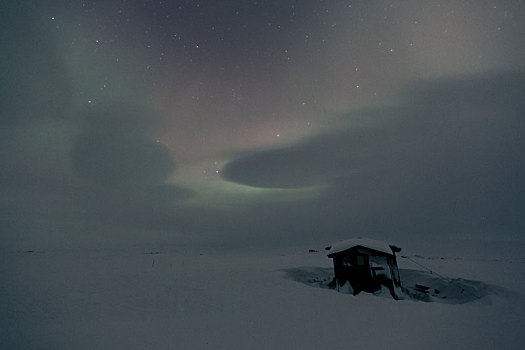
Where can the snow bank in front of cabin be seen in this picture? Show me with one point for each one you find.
(418, 285)
(186, 298)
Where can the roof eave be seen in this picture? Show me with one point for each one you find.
(331, 255)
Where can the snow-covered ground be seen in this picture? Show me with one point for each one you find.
(173, 296)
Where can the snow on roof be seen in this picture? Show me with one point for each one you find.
(374, 244)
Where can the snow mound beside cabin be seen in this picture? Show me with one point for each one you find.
(417, 285)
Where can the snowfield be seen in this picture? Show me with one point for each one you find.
(181, 297)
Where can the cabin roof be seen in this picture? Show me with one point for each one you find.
(369, 243)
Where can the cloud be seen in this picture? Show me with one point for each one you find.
(450, 154)
(113, 149)
(103, 169)
(125, 172)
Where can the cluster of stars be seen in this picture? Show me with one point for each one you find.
(214, 169)
(237, 42)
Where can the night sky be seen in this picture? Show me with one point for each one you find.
(256, 123)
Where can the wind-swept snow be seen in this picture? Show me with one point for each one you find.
(172, 297)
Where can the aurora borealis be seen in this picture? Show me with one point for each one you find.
(261, 121)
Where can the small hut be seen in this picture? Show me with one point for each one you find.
(362, 264)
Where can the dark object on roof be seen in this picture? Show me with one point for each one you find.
(362, 264)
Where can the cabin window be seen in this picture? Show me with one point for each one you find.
(360, 260)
